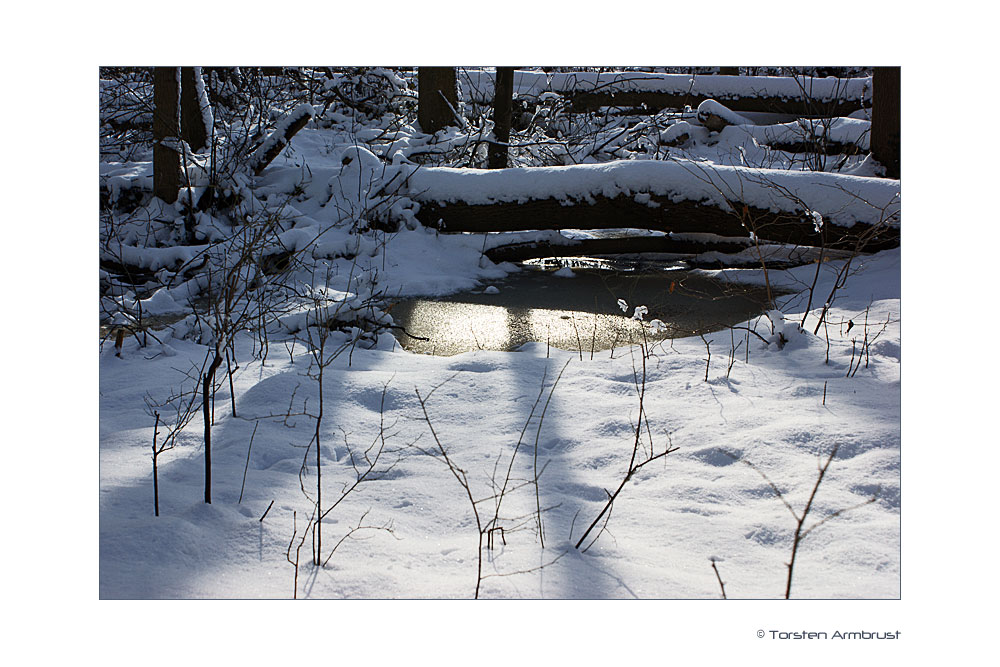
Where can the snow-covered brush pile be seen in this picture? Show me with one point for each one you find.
(226, 241)
(126, 114)
(256, 262)
(370, 92)
(722, 136)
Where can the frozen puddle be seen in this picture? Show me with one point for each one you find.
(572, 313)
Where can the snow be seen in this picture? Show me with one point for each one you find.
(838, 130)
(778, 399)
(782, 411)
(713, 108)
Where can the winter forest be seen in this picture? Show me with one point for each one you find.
(546, 334)
(498, 332)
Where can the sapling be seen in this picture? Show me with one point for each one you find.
(488, 527)
(718, 576)
(801, 532)
(535, 471)
(460, 477)
(298, 549)
(732, 352)
(579, 344)
(232, 390)
(501, 490)
(593, 338)
(183, 406)
(708, 351)
(231, 309)
(635, 464)
(850, 365)
(323, 352)
(747, 359)
(247, 466)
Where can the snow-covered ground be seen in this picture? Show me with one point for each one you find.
(539, 439)
(783, 411)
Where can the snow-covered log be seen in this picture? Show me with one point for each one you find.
(682, 196)
(716, 116)
(799, 95)
(623, 212)
(275, 142)
(801, 106)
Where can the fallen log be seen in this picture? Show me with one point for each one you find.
(675, 196)
(818, 147)
(129, 273)
(647, 101)
(682, 217)
(625, 245)
(275, 142)
(798, 95)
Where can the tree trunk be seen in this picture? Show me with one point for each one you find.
(156, 486)
(503, 98)
(166, 128)
(207, 388)
(193, 129)
(885, 141)
(437, 96)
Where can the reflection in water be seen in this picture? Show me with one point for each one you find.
(578, 313)
(460, 327)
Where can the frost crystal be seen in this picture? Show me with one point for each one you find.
(640, 311)
(623, 305)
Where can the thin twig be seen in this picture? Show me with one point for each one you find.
(719, 577)
(247, 466)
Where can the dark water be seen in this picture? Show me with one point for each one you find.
(576, 313)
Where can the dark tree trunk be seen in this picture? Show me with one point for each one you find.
(193, 129)
(207, 389)
(503, 100)
(166, 127)
(437, 89)
(885, 141)
(156, 478)
(729, 71)
(156, 487)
